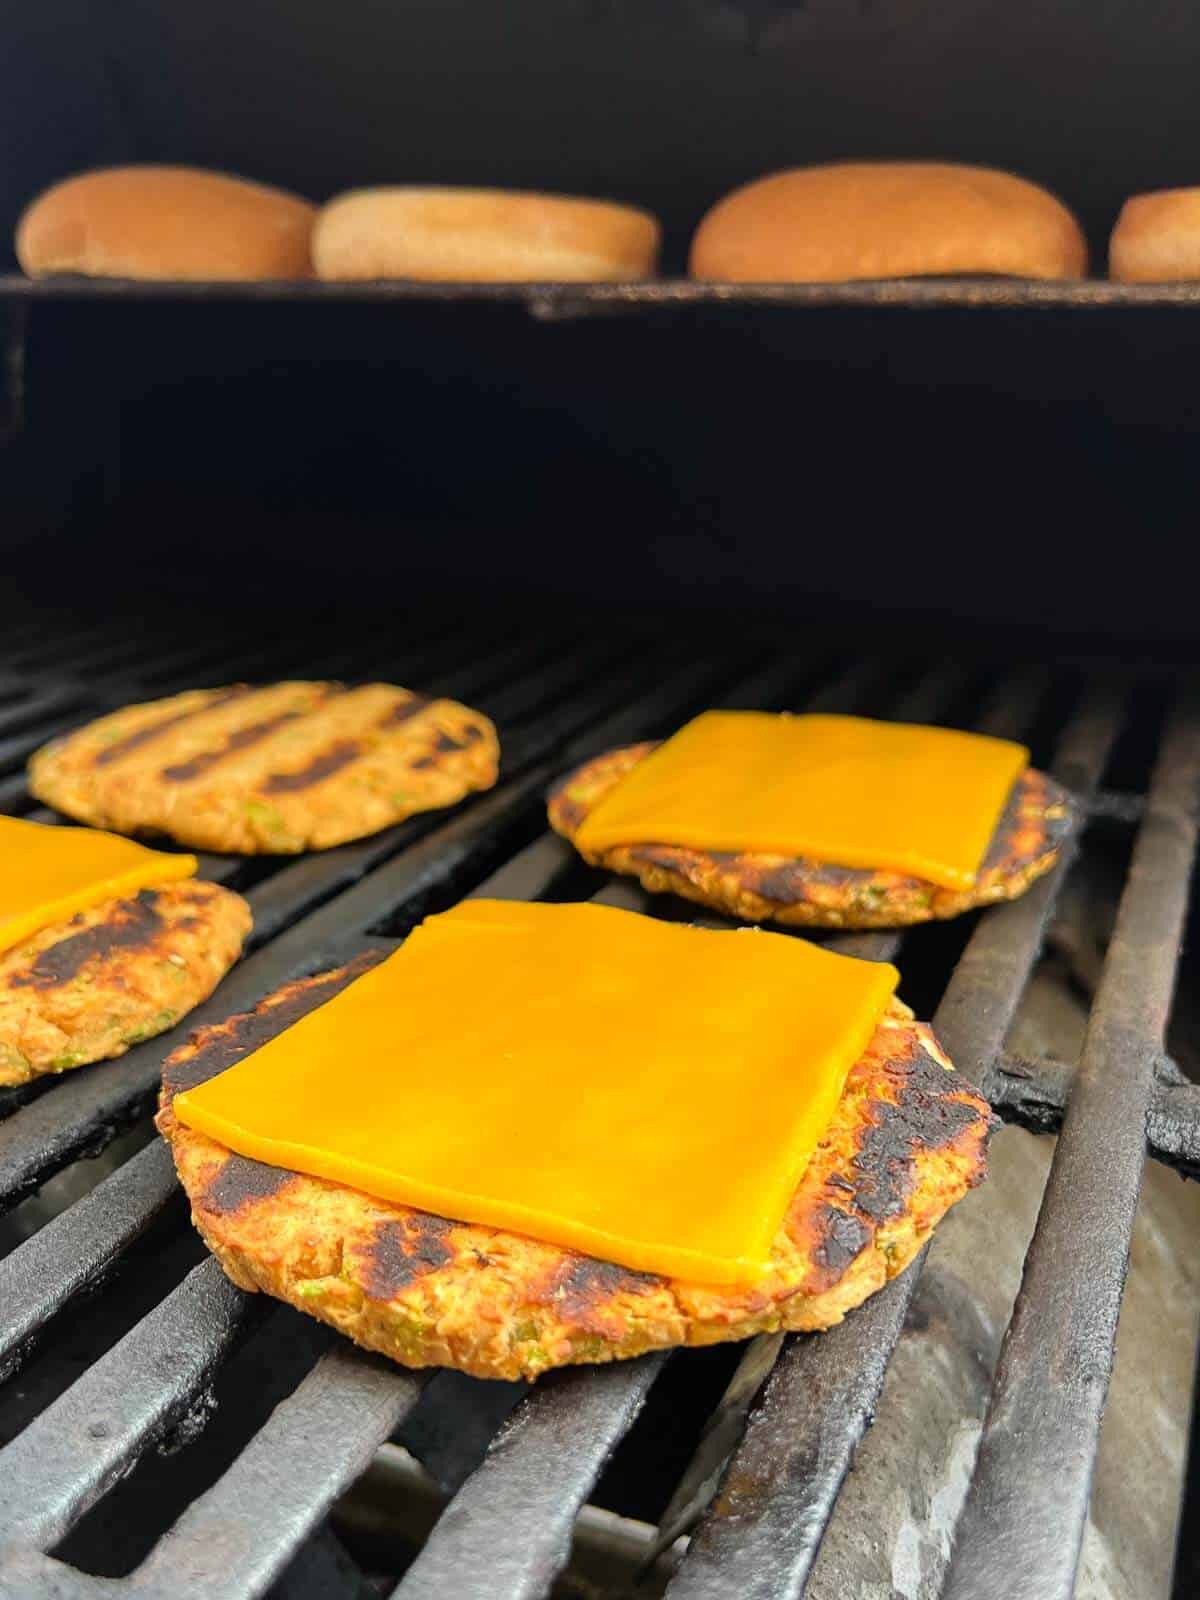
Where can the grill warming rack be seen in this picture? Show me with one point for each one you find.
(506, 1533)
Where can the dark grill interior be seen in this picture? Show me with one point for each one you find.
(120, 1339)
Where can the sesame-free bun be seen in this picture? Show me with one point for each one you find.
(1157, 238)
(166, 222)
(887, 219)
(482, 236)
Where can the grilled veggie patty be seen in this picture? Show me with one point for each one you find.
(770, 888)
(116, 974)
(291, 767)
(907, 1142)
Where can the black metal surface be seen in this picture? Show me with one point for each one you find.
(1022, 1525)
(39, 1277)
(507, 1531)
(537, 1474)
(66, 1459)
(239, 1536)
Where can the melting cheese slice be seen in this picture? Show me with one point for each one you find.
(845, 791)
(646, 1092)
(49, 873)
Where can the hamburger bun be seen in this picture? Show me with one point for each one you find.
(1157, 238)
(482, 236)
(166, 222)
(887, 219)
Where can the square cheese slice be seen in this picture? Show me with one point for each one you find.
(845, 791)
(47, 873)
(645, 1092)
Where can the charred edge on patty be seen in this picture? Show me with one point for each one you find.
(241, 1181)
(404, 1259)
(339, 755)
(130, 925)
(401, 1252)
(220, 1046)
(926, 1114)
(134, 741)
(240, 740)
(788, 883)
(582, 1289)
(841, 1237)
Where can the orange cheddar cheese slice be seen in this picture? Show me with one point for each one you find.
(50, 873)
(845, 791)
(646, 1092)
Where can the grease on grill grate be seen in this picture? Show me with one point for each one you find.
(171, 1402)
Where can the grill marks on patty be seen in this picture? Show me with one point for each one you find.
(130, 925)
(241, 1180)
(240, 739)
(154, 730)
(405, 710)
(905, 1143)
(344, 751)
(121, 971)
(401, 1252)
(1032, 829)
(339, 755)
(287, 767)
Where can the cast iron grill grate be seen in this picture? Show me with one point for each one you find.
(506, 1533)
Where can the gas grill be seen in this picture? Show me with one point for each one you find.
(591, 511)
(165, 1430)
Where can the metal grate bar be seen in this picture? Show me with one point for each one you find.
(40, 1276)
(1035, 1094)
(1022, 1524)
(319, 647)
(49, 648)
(113, 656)
(12, 791)
(518, 660)
(508, 1530)
(766, 1526)
(67, 1457)
(36, 706)
(236, 1539)
(536, 687)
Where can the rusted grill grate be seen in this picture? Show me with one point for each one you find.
(507, 1531)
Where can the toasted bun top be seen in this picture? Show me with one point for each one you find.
(891, 219)
(1157, 238)
(166, 222)
(482, 235)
